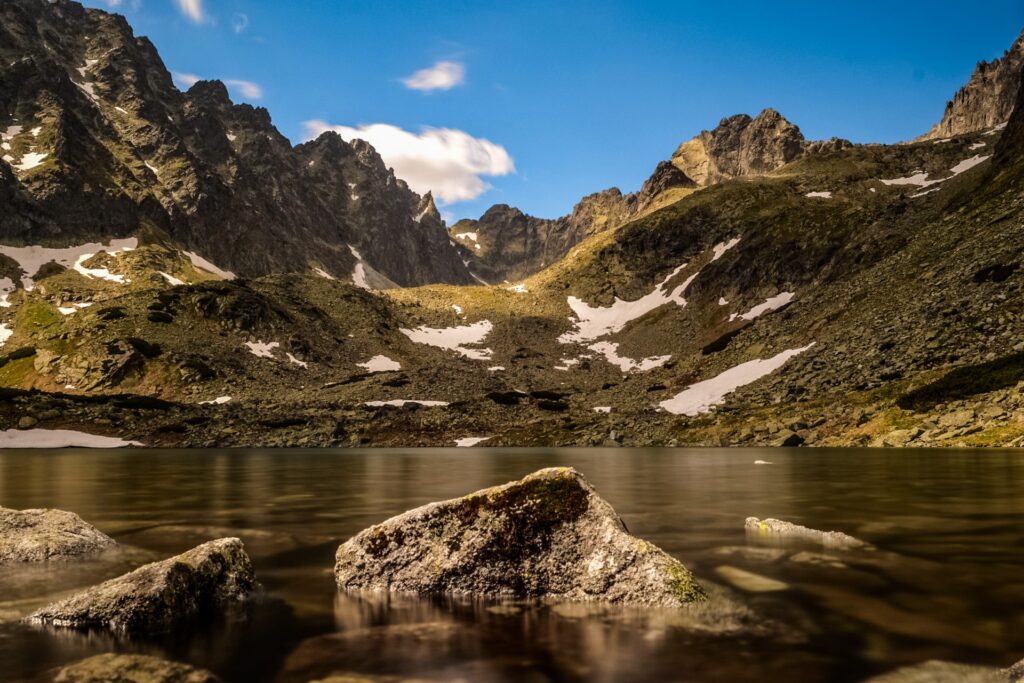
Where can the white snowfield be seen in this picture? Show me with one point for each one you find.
(594, 322)
(261, 349)
(701, 397)
(770, 304)
(59, 438)
(30, 160)
(380, 363)
(471, 236)
(31, 259)
(610, 351)
(5, 333)
(456, 339)
(399, 403)
(201, 263)
(470, 441)
(920, 178)
(359, 272)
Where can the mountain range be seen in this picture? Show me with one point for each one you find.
(167, 257)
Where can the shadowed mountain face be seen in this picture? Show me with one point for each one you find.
(99, 143)
(988, 98)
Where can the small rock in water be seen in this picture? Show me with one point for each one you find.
(775, 530)
(41, 535)
(112, 668)
(157, 596)
(549, 535)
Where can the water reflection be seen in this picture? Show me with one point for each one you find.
(945, 582)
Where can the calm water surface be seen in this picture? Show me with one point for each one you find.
(946, 583)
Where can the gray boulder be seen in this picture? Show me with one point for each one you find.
(112, 668)
(41, 535)
(158, 596)
(549, 535)
(777, 531)
(941, 672)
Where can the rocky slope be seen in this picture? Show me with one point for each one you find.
(98, 143)
(988, 98)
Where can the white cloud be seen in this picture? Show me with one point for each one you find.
(185, 81)
(450, 163)
(193, 9)
(248, 89)
(240, 22)
(441, 76)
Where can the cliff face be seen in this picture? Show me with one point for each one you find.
(988, 98)
(97, 142)
(744, 146)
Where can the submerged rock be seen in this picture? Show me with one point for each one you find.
(112, 668)
(41, 535)
(775, 530)
(549, 535)
(157, 596)
(942, 672)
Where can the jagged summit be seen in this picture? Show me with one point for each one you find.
(987, 99)
(99, 143)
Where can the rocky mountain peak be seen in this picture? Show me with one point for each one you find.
(988, 98)
(740, 146)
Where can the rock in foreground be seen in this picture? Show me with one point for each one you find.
(546, 536)
(111, 668)
(775, 530)
(157, 596)
(41, 535)
(942, 672)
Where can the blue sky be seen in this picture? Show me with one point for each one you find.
(537, 103)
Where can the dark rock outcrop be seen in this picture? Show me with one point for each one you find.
(116, 668)
(988, 98)
(158, 596)
(41, 535)
(548, 536)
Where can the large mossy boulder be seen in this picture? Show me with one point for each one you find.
(114, 668)
(548, 536)
(158, 596)
(41, 535)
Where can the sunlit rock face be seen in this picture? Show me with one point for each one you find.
(548, 535)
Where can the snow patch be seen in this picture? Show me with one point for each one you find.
(567, 364)
(220, 400)
(722, 301)
(171, 279)
(261, 349)
(31, 259)
(819, 195)
(976, 146)
(701, 397)
(295, 361)
(721, 248)
(5, 333)
(771, 304)
(232, 137)
(380, 363)
(496, 368)
(610, 351)
(457, 309)
(471, 236)
(324, 274)
(518, 289)
(30, 161)
(359, 272)
(201, 263)
(470, 441)
(602, 409)
(153, 168)
(59, 438)
(920, 178)
(399, 403)
(455, 338)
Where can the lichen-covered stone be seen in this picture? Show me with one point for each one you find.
(775, 530)
(41, 535)
(113, 668)
(158, 596)
(549, 535)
